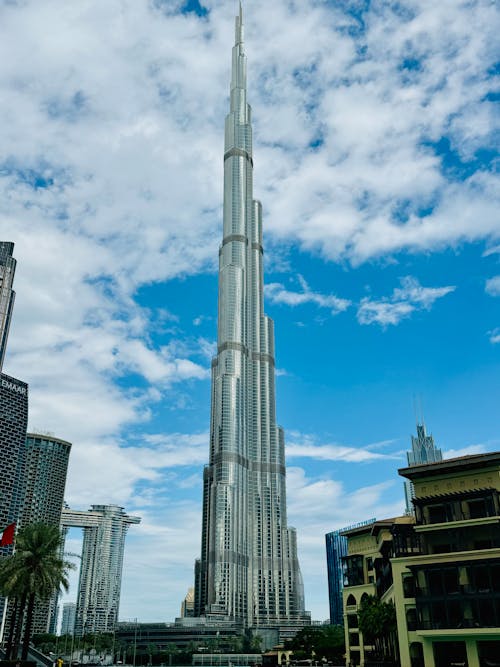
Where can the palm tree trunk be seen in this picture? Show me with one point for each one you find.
(27, 627)
(18, 625)
(12, 625)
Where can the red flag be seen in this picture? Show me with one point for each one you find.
(8, 535)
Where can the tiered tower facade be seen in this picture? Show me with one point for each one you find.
(248, 571)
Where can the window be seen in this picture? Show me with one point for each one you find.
(437, 513)
(352, 620)
(409, 587)
(411, 619)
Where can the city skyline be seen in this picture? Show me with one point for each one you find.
(374, 159)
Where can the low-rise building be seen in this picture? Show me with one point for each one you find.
(446, 569)
(367, 572)
(440, 568)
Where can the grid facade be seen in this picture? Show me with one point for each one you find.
(68, 618)
(46, 467)
(336, 547)
(99, 586)
(13, 425)
(248, 571)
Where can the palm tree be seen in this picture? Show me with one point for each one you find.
(35, 570)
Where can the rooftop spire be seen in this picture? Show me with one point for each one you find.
(238, 37)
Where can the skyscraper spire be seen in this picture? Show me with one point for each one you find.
(239, 27)
(248, 571)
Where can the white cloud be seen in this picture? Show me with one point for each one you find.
(493, 286)
(277, 293)
(494, 336)
(411, 296)
(424, 297)
(112, 473)
(306, 446)
(493, 250)
(464, 451)
(383, 312)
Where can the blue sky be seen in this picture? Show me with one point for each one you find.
(376, 160)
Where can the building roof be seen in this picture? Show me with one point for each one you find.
(458, 464)
(375, 526)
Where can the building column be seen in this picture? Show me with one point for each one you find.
(428, 653)
(472, 655)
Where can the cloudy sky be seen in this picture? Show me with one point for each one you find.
(376, 128)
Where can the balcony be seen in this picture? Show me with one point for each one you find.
(458, 612)
(457, 506)
(405, 541)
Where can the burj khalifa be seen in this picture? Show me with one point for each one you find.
(248, 571)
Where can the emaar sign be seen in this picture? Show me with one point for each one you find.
(14, 387)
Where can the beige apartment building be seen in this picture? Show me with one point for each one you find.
(440, 567)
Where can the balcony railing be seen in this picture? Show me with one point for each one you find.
(463, 589)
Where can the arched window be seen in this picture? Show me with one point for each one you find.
(351, 601)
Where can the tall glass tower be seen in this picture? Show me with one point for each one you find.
(7, 294)
(46, 467)
(248, 571)
(104, 530)
(423, 450)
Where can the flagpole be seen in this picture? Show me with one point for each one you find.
(4, 618)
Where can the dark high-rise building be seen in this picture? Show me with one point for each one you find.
(7, 294)
(13, 412)
(47, 460)
(13, 425)
(336, 549)
(248, 571)
(46, 466)
(13, 405)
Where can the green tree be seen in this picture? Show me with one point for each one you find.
(152, 650)
(318, 643)
(170, 652)
(45, 642)
(34, 571)
(377, 622)
(331, 645)
(251, 642)
(304, 643)
(12, 588)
